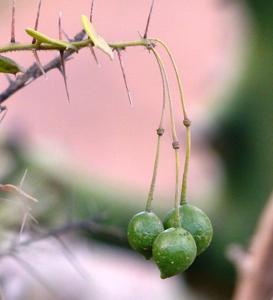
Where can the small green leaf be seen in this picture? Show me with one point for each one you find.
(9, 66)
(97, 40)
(42, 38)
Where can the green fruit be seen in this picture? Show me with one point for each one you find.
(174, 250)
(196, 222)
(143, 228)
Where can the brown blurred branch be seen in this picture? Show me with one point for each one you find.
(255, 268)
(91, 227)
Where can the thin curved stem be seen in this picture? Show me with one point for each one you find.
(173, 127)
(177, 202)
(153, 182)
(186, 122)
(175, 143)
(179, 81)
(160, 132)
(183, 199)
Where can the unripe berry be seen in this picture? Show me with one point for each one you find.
(196, 222)
(143, 228)
(174, 250)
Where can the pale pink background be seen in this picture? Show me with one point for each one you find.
(99, 131)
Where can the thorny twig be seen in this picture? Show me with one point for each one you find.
(34, 72)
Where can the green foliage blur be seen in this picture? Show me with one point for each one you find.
(244, 141)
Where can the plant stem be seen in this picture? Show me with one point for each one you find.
(153, 182)
(34, 71)
(79, 45)
(175, 143)
(179, 81)
(186, 122)
(160, 132)
(183, 199)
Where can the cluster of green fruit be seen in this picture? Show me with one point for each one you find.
(186, 231)
(175, 248)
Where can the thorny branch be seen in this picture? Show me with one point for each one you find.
(90, 226)
(34, 72)
(37, 70)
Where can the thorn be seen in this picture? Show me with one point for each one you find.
(140, 35)
(94, 55)
(38, 15)
(23, 225)
(39, 64)
(5, 110)
(37, 59)
(67, 36)
(61, 31)
(63, 71)
(34, 219)
(60, 25)
(12, 38)
(23, 179)
(37, 19)
(92, 11)
(124, 77)
(149, 20)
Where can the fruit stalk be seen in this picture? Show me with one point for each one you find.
(186, 122)
(160, 132)
(183, 199)
(175, 143)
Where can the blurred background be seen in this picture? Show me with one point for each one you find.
(93, 158)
